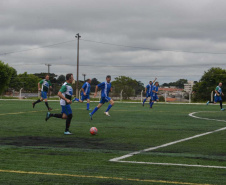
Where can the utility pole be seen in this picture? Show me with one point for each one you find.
(77, 36)
(84, 77)
(48, 67)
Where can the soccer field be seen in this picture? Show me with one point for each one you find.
(169, 144)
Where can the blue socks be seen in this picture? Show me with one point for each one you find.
(87, 105)
(109, 106)
(144, 101)
(94, 110)
(151, 104)
(76, 99)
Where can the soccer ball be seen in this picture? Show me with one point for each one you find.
(93, 130)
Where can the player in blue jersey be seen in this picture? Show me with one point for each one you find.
(217, 96)
(85, 94)
(148, 91)
(105, 89)
(155, 91)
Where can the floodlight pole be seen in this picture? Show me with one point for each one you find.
(77, 36)
(84, 77)
(48, 67)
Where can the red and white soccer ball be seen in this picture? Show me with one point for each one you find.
(93, 130)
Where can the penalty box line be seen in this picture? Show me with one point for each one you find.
(119, 159)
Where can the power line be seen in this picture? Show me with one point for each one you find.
(156, 49)
(119, 45)
(45, 46)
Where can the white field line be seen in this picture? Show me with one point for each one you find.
(173, 164)
(167, 103)
(119, 159)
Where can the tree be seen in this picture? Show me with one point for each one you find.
(52, 76)
(61, 79)
(5, 76)
(14, 81)
(208, 82)
(28, 82)
(93, 84)
(128, 85)
(179, 83)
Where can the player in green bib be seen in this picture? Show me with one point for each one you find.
(46, 84)
(217, 96)
(65, 95)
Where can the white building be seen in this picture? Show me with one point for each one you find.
(188, 87)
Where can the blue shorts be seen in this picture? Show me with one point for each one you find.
(66, 109)
(105, 99)
(217, 98)
(148, 95)
(155, 98)
(85, 97)
(44, 95)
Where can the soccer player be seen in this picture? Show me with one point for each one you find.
(46, 84)
(105, 89)
(217, 96)
(155, 94)
(65, 95)
(85, 94)
(148, 91)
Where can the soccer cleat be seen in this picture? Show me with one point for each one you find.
(91, 116)
(50, 109)
(47, 116)
(222, 109)
(207, 103)
(67, 133)
(106, 113)
(33, 104)
(88, 109)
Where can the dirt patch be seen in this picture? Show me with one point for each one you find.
(66, 142)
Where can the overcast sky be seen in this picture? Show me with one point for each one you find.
(168, 39)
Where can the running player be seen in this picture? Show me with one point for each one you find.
(85, 94)
(105, 89)
(148, 91)
(46, 84)
(65, 95)
(155, 94)
(217, 96)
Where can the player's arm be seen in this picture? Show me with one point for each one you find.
(83, 91)
(63, 89)
(216, 92)
(83, 88)
(154, 80)
(39, 84)
(95, 94)
(145, 90)
(50, 85)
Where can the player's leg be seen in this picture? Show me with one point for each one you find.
(96, 108)
(78, 100)
(38, 101)
(47, 105)
(145, 99)
(153, 101)
(88, 104)
(68, 119)
(109, 106)
(62, 115)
